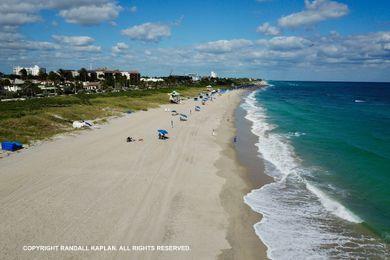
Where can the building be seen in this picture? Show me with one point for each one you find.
(213, 75)
(75, 73)
(194, 76)
(13, 88)
(104, 73)
(92, 86)
(16, 85)
(33, 71)
(125, 74)
(48, 88)
(135, 77)
(152, 79)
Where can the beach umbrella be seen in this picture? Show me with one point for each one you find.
(162, 131)
(197, 108)
(183, 115)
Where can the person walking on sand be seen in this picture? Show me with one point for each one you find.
(172, 123)
(213, 132)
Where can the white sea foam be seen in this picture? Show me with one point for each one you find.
(295, 213)
(333, 206)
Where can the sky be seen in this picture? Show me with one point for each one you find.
(341, 40)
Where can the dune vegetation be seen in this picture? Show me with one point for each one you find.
(40, 118)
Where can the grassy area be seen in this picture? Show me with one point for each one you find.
(38, 119)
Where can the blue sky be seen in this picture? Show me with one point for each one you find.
(274, 39)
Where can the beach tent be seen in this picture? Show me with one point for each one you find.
(197, 108)
(183, 117)
(78, 124)
(81, 124)
(11, 146)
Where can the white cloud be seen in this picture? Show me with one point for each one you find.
(268, 29)
(18, 12)
(223, 46)
(289, 52)
(316, 11)
(288, 43)
(87, 48)
(91, 14)
(74, 40)
(119, 47)
(77, 43)
(148, 32)
(27, 45)
(18, 18)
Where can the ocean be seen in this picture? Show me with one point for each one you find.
(327, 147)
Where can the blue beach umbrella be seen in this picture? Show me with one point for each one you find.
(162, 131)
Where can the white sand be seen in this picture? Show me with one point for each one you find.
(95, 189)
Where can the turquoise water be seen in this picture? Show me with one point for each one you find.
(328, 146)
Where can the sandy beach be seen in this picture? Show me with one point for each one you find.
(94, 188)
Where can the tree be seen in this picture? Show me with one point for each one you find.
(30, 89)
(69, 76)
(93, 77)
(120, 80)
(61, 73)
(53, 76)
(83, 74)
(109, 80)
(4, 82)
(23, 73)
(42, 75)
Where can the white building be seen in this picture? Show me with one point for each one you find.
(213, 75)
(152, 79)
(12, 88)
(34, 71)
(75, 73)
(194, 76)
(125, 74)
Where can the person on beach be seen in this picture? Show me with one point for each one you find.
(172, 123)
(235, 139)
(213, 132)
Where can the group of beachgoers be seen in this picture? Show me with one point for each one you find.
(162, 133)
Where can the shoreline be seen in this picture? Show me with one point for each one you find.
(247, 155)
(325, 224)
(241, 235)
(94, 188)
(247, 152)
